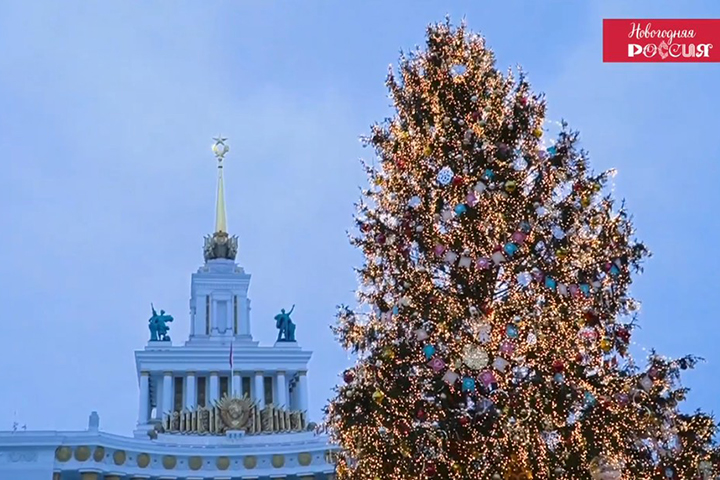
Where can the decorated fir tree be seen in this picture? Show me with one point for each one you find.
(494, 321)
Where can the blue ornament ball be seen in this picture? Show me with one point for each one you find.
(468, 384)
(429, 351)
(511, 248)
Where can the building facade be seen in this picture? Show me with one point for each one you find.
(218, 406)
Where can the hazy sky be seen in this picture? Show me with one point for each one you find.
(107, 183)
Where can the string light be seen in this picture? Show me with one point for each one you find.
(496, 318)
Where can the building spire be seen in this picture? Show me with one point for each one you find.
(220, 245)
(220, 149)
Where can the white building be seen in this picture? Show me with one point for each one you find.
(199, 418)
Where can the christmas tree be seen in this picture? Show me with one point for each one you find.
(494, 317)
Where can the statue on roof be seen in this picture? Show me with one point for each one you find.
(158, 325)
(285, 326)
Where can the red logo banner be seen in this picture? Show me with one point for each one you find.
(661, 40)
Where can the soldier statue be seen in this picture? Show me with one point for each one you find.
(285, 326)
(158, 326)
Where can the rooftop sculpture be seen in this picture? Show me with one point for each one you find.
(158, 325)
(285, 326)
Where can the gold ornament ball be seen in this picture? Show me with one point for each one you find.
(378, 396)
(475, 357)
(605, 344)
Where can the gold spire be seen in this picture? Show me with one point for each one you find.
(220, 149)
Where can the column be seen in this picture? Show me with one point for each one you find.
(292, 386)
(302, 391)
(237, 384)
(260, 389)
(281, 389)
(144, 410)
(214, 394)
(167, 398)
(159, 402)
(190, 391)
(57, 476)
(112, 477)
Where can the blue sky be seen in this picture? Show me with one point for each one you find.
(107, 183)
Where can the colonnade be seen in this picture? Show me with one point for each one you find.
(174, 391)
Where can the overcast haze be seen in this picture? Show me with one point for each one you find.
(107, 181)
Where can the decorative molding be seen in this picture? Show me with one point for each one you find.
(143, 460)
(63, 454)
(278, 461)
(82, 454)
(304, 459)
(233, 414)
(250, 462)
(22, 456)
(119, 457)
(169, 462)
(99, 454)
(222, 463)
(195, 462)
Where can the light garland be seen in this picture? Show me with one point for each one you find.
(497, 272)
